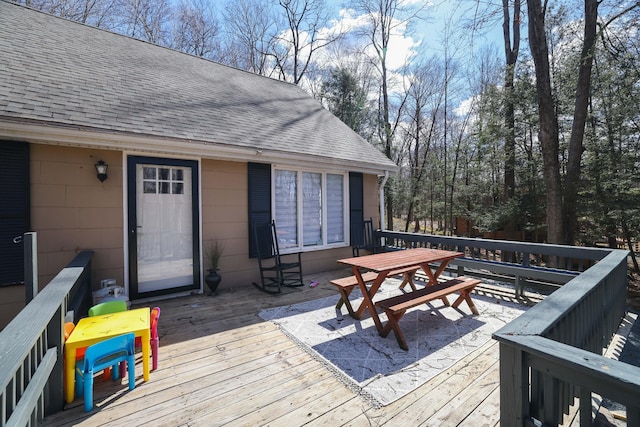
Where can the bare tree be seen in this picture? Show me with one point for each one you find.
(561, 200)
(383, 18)
(195, 28)
(485, 15)
(307, 31)
(425, 101)
(548, 132)
(251, 29)
(511, 49)
(583, 95)
(145, 20)
(98, 13)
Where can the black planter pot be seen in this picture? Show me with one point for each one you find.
(213, 279)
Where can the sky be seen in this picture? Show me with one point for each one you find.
(427, 38)
(428, 35)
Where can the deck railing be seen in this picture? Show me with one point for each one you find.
(31, 346)
(548, 356)
(539, 266)
(553, 352)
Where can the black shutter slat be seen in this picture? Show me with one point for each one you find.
(356, 202)
(259, 183)
(14, 209)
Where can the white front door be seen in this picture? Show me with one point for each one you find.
(163, 226)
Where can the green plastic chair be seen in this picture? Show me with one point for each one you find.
(107, 308)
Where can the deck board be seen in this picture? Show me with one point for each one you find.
(466, 399)
(487, 414)
(221, 364)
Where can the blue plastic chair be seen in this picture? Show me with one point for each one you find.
(109, 307)
(105, 354)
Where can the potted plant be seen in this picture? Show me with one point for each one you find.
(212, 253)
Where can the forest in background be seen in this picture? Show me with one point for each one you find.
(535, 135)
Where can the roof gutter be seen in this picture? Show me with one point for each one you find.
(382, 184)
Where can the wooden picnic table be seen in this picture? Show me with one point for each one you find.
(386, 262)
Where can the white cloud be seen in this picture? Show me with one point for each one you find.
(402, 48)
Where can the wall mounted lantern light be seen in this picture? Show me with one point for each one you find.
(101, 168)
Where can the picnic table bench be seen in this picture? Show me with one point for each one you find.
(346, 284)
(395, 307)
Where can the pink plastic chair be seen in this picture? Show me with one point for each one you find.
(154, 341)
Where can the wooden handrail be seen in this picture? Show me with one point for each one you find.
(31, 346)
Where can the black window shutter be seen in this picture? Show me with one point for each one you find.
(356, 202)
(259, 183)
(14, 209)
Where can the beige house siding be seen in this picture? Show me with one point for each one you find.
(73, 211)
(225, 217)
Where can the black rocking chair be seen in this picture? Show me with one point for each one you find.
(364, 239)
(274, 271)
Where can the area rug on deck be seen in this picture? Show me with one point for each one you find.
(377, 368)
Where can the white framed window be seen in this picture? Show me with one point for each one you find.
(309, 208)
(162, 180)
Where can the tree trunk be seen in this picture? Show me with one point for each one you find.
(627, 238)
(388, 140)
(576, 147)
(511, 57)
(548, 134)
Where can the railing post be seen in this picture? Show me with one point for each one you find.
(519, 286)
(30, 242)
(514, 387)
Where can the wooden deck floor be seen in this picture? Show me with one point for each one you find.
(220, 364)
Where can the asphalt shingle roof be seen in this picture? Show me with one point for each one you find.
(65, 73)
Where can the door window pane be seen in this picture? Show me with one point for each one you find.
(162, 180)
(149, 173)
(150, 187)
